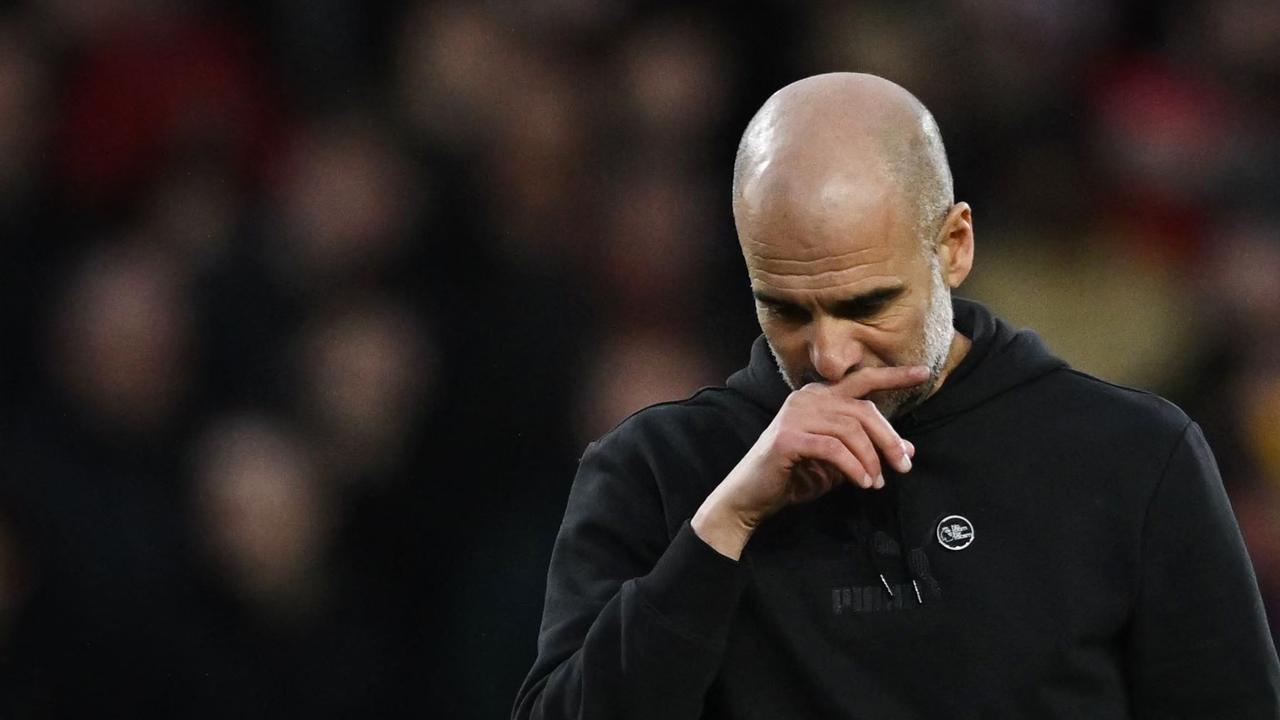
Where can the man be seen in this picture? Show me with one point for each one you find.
(902, 508)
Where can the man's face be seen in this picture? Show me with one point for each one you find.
(841, 283)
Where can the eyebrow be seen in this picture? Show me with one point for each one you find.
(857, 306)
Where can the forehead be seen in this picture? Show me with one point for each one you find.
(836, 232)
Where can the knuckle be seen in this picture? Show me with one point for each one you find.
(831, 449)
(794, 402)
(785, 438)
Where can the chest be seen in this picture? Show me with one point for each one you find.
(1032, 574)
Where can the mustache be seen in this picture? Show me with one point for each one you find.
(810, 375)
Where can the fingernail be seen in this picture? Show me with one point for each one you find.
(880, 480)
(866, 481)
(906, 463)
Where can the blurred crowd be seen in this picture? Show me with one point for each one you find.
(308, 308)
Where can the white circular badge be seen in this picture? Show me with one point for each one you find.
(955, 532)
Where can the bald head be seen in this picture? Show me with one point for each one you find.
(832, 135)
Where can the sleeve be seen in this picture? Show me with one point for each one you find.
(1199, 646)
(635, 622)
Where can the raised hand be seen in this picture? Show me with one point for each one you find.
(824, 435)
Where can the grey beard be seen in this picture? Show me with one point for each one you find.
(939, 331)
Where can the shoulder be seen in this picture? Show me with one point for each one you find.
(1096, 406)
(1128, 401)
(688, 443)
(709, 412)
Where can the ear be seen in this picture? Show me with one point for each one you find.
(955, 245)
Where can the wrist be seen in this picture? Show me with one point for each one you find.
(721, 527)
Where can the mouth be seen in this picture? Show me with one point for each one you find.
(896, 403)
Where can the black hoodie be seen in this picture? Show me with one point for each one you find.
(1062, 548)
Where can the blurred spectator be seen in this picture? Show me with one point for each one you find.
(885, 38)
(290, 630)
(346, 202)
(123, 345)
(106, 621)
(1242, 263)
(675, 81)
(653, 255)
(456, 67)
(633, 370)
(264, 517)
(536, 172)
(365, 374)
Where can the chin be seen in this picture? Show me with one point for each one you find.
(896, 403)
(890, 403)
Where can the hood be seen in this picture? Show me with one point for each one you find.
(1000, 359)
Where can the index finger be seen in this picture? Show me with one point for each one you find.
(862, 382)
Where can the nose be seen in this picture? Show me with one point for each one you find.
(833, 350)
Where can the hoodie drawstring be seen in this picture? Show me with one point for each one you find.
(918, 564)
(883, 548)
(922, 580)
(886, 552)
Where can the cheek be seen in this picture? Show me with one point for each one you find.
(897, 339)
(788, 342)
(788, 347)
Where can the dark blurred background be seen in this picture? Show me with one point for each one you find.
(308, 308)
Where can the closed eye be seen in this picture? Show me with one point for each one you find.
(782, 310)
(860, 307)
(867, 305)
